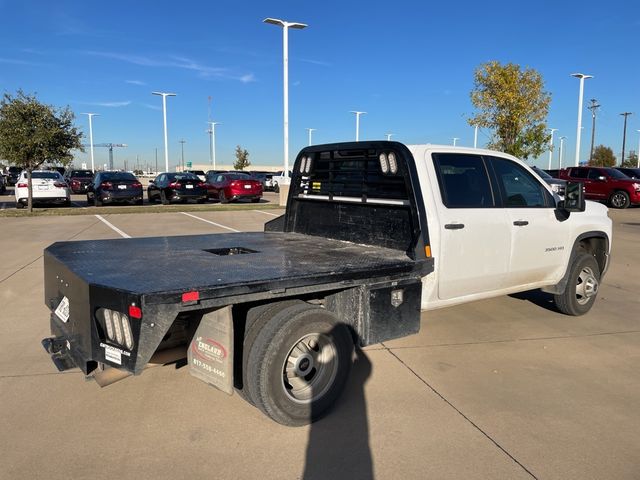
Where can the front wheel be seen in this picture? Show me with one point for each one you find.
(222, 197)
(96, 201)
(299, 363)
(582, 287)
(619, 199)
(276, 188)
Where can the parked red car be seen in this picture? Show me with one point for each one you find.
(605, 185)
(228, 187)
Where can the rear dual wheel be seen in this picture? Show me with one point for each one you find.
(298, 358)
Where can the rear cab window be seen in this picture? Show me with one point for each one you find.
(464, 180)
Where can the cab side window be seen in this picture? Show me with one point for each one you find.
(464, 181)
(519, 187)
(594, 173)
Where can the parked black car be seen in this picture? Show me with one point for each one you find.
(114, 187)
(79, 180)
(176, 187)
(630, 171)
(557, 185)
(12, 175)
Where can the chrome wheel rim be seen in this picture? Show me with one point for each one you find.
(618, 200)
(310, 368)
(587, 286)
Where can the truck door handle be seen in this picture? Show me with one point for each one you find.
(520, 223)
(454, 226)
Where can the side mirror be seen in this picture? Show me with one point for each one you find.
(602, 178)
(573, 198)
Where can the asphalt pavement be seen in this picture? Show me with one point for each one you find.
(505, 388)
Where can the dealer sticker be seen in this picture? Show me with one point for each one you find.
(113, 354)
(63, 310)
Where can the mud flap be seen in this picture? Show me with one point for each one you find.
(210, 353)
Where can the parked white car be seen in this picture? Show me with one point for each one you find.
(48, 187)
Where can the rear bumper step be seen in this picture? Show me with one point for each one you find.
(58, 349)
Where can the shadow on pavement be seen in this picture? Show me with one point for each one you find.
(338, 446)
(539, 298)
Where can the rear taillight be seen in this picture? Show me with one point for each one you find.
(75, 182)
(22, 185)
(117, 327)
(175, 185)
(234, 184)
(59, 184)
(201, 185)
(136, 185)
(106, 185)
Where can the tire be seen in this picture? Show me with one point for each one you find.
(19, 205)
(619, 199)
(582, 287)
(163, 198)
(67, 203)
(200, 200)
(96, 201)
(276, 188)
(256, 318)
(255, 200)
(298, 364)
(140, 202)
(222, 197)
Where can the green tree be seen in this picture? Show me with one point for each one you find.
(631, 160)
(32, 133)
(603, 157)
(513, 104)
(242, 159)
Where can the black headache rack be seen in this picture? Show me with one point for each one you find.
(352, 232)
(362, 192)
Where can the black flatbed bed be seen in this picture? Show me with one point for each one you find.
(159, 268)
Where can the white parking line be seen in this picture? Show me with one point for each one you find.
(208, 221)
(113, 227)
(267, 213)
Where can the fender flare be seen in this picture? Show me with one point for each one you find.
(560, 287)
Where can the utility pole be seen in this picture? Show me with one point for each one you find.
(593, 107)
(156, 171)
(551, 145)
(182, 142)
(624, 134)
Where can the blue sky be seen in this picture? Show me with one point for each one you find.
(409, 64)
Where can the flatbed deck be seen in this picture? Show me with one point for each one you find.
(157, 267)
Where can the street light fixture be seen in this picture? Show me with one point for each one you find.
(164, 118)
(310, 130)
(455, 140)
(475, 137)
(91, 115)
(212, 134)
(357, 113)
(389, 136)
(285, 64)
(582, 78)
(182, 142)
(551, 145)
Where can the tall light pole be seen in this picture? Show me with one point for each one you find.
(593, 107)
(212, 133)
(285, 65)
(455, 141)
(582, 78)
(560, 152)
(164, 118)
(624, 134)
(475, 137)
(310, 130)
(389, 136)
(91, 115)
(357, 113)
(551, 145)
(638, 151)
(182, 142)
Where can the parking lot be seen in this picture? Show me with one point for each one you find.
(502, 388)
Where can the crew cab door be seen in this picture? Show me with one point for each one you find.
(538, 239)
(475, 234)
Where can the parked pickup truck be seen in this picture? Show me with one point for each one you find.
(274, 315)
(605, 184)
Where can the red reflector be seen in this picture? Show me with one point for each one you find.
(191, 296)
(135, 312)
